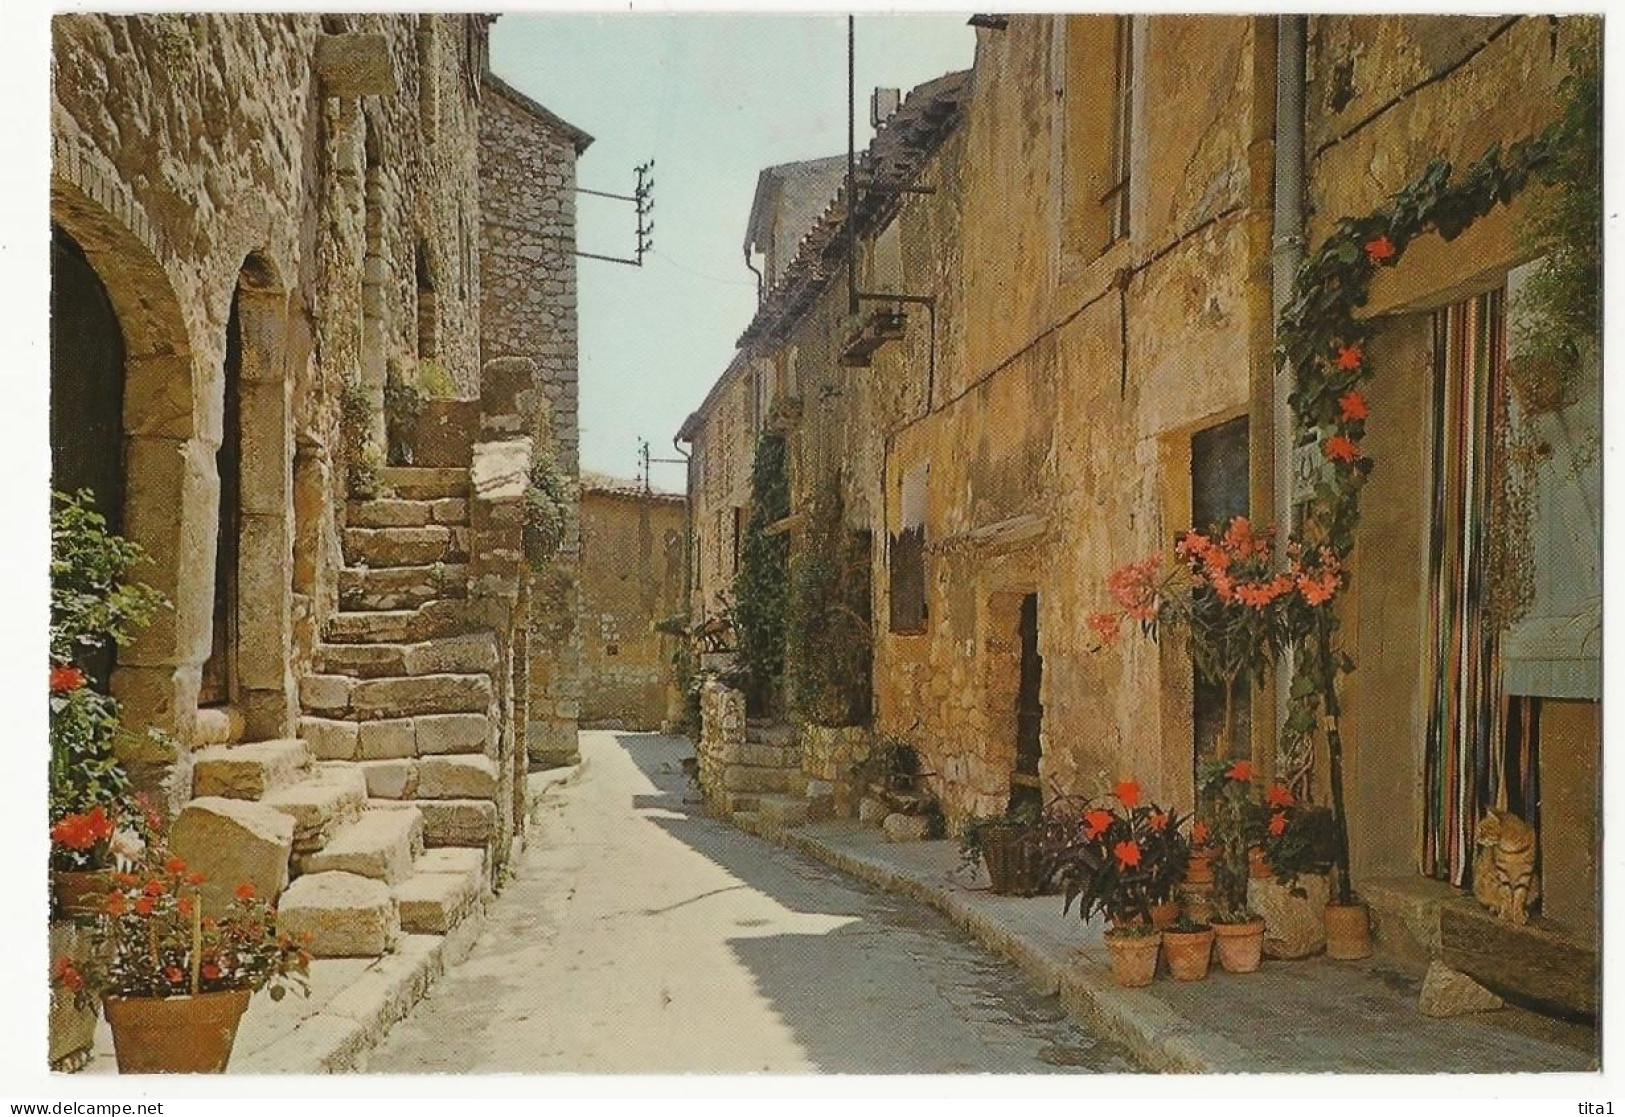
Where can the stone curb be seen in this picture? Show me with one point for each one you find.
(1157, 1037)
(337, 1039)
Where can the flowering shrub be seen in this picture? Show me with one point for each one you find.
(1299, 839)
(1115, 855)
(151, 939)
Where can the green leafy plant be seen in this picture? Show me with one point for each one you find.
(828, 632)
(1297, 839)
(94, 601)
(403, 404)
(761, 586)
(1026, 815)
(362, 460)
(1234, 825)
(435, 381)
(547, 512)
(1116, 855)
(891, 764)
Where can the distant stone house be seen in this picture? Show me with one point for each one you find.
(264, 307)
(632, 570)
(1084, 368)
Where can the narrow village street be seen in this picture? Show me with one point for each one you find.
(640, 936)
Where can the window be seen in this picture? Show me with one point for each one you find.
(1098, 132)
(1219, 482)
(906, 554)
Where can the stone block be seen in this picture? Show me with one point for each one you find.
(872, 810)
(451, 859)
(232, 842)
(334, 797)
(379, 844)
(402, 546)
(388, 512)
(450, 510)
(248, 771)
(440, 734)
(421, 694)
(901, 827)
(340, 915)
(425, 482)
(391, 739)
(391, 779)
(1294, 926)
(458, 822)
(355, 64)
(324, 693)
(782, 811)
(469, 654)
(434, 903)
(457, 777)
(1447, 992)
(329, 739)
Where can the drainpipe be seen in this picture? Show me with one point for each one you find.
(1286, 255)
(761, 290)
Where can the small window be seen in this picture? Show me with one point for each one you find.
(1097, 140)
(906, 555)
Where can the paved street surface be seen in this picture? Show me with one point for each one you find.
(640, 936)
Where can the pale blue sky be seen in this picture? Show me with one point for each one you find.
(712, 99)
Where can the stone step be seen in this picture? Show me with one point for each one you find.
(424, 482)
(401, 587)
(434, 900)
(249, 771)
(739, 802)
(404, 546)
(466, 654)
(379, 845)
(457, 777)
(450, 822)
(321, 805)
(762, 756)
(431, 620)
(741, 777)
(338, 739)
(407, 696)
(779, 735)
(783, 811)
(340, 915)
(398, 512)
(233, 842)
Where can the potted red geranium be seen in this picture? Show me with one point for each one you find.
(172, 981)
(1121, 858)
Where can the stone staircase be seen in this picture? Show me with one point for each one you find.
(762, 777)
(384, 808)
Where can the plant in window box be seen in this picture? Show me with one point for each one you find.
(1235, 824)
(1009, 845)
(1120, 858)
(172, 981)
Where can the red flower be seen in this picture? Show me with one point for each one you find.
(1135, 588)
(1128, 793)
(67, 975)
(1317, 591)
(175, 866)
(144, 905)
(155, 887)
(1199, 833)
(210, 971)
(1159, 821)
(116, 904)
(1241, 771)
(245, 892)
(1380, 249)
(173, 973)
(1352, 407)
(1277, 824)
(66, 677)
(1095, 823)
(1278, 796)
(1127, 854)
(1341, 448)
(1350, 357)
(185, 905)
(1106, 626)
(83, 831)
(194, 878)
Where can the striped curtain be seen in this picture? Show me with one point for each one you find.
(1472, 726)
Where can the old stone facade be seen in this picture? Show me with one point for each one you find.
(527, 181)
(632, 542)
(270, 227)
(1082, 367)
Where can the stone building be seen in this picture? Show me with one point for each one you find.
(632, 569)
(266, 296)
(1079, 365)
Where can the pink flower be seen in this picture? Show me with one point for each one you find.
(1105, 626)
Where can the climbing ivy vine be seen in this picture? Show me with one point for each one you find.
(761, 586)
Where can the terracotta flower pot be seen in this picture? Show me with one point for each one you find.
(79, 893)
(1134, 957)
(175, 1035)
(1241, 945)
(1348, 931)
(1188, 953)
(1199, 869)
(1258, 866)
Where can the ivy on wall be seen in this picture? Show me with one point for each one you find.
(761, 585)
(829, 635)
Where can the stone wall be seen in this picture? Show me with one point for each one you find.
(830, 754)
(527, 179)
(632, 577)
(294, 167)
(722, 735)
